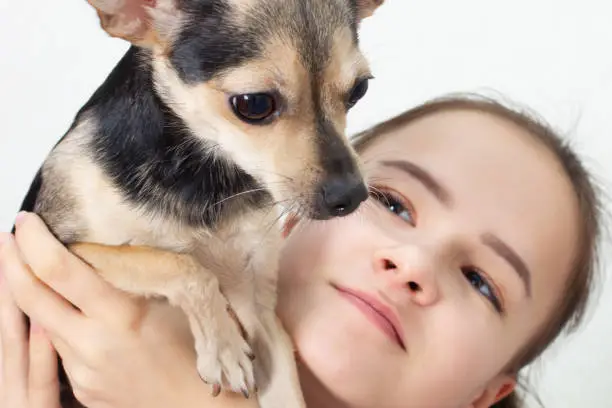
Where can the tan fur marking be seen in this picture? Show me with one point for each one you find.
(368, 7)
(144, 26)
(347, 64)
(242, 9)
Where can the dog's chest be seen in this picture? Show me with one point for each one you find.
(110, 220)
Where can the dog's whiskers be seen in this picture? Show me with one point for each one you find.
(255, 190)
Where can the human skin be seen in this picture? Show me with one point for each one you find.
(497, 180)
(424, 258)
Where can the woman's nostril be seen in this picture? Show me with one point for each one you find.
(389, 265)
(414, 286)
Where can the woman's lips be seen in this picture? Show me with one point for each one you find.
(378, 313)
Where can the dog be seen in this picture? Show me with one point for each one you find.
(222, 116)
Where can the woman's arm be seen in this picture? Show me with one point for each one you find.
(118, 351)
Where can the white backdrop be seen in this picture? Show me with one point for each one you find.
(553, 55)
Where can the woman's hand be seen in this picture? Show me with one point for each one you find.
(28, 367)
(118, 351)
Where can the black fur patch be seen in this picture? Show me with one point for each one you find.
(335, 155)
(211, 42)
(29, 201)
(151, 156)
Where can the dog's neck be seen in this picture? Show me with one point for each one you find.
(152, 157)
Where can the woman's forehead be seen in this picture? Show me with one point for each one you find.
(464, 142)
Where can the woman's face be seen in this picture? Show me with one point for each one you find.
(422, 296)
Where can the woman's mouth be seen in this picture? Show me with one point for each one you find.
(377, 312)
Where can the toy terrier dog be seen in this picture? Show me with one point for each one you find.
(223, 116)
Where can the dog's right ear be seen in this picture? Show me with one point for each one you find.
(145, 23)
(366, 8)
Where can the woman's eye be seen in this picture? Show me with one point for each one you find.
(395, 205)
(483, 286)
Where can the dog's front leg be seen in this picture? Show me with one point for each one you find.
(275, 367)
(223, 355)
(282, 388)
(255, 304)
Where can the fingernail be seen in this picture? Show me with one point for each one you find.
(19, 219)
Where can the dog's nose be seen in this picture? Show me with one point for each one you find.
(340, 196)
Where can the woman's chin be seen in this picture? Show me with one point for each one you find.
(350, 375)
(327, 388)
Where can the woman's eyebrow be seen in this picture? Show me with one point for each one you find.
(505, 251)
(426, 178)
(444, 196)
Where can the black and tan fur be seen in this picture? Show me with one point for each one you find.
(167, 192)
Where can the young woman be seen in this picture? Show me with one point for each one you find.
(476, 250)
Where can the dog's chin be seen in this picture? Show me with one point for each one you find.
(323, 216)
(318, 214)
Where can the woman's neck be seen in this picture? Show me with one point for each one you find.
(316, 394)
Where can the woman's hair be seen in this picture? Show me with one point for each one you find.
(570, 310)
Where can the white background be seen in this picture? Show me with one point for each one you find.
(552, 55)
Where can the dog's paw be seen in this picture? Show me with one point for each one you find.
(225, 361)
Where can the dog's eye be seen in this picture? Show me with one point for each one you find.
(358, 91)
(253, 108)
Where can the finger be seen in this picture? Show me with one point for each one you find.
(43, 381)
(63, 271)
(36, 300)
(13, 339)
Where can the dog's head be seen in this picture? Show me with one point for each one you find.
(269, 81)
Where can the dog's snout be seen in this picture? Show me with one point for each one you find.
(341, 188)
(340, 196)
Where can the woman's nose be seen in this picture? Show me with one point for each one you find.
(409, 272)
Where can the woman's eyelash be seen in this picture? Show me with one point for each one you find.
(403, 209)
(483, 285)
(395, 203)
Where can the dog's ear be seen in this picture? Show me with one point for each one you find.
(142, 22)
(366, 8)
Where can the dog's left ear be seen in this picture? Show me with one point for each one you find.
(142, 22)
(366, 8)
